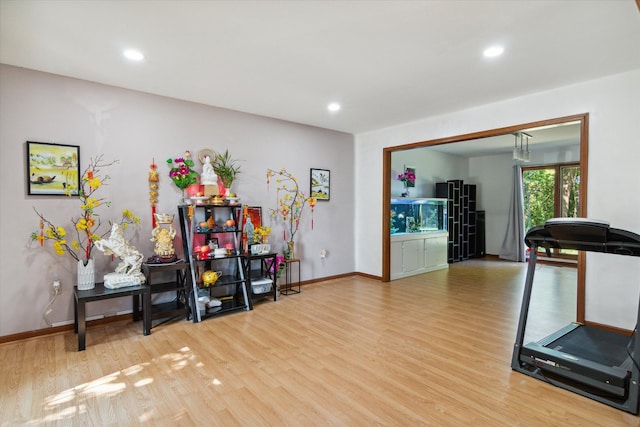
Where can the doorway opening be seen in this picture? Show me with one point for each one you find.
(485, 137)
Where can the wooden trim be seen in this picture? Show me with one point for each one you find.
(491, 132)
(584, 178)
(609, 328)
(369, 276)
(56, 330)
(386, 215)
(322, 279)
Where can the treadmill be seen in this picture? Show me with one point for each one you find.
(597, 363)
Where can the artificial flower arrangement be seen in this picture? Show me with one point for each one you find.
(407, 177)
(291, 202)
(260, 234)
(87, 225)
(277, 266)
(181, 172)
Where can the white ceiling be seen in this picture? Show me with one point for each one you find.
(541, 139)
(386, 62)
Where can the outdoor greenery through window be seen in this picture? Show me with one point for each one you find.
(549, 192)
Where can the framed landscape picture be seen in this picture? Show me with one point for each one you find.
(53, 169)
(320, 184)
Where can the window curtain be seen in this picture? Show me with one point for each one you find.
(513, 247)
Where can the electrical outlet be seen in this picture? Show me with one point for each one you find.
(57, 287)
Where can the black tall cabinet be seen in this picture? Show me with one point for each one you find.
(461, 216)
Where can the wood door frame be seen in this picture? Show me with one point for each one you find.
(584, 156)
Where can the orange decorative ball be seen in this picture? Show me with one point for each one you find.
(230, 222)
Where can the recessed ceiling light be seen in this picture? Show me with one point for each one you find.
(493, 51)
(334, 106)
(133, 54)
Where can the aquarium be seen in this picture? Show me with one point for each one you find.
(409, 215)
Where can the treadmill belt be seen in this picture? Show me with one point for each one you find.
(598, 345)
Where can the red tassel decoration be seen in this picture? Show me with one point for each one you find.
(153, 190)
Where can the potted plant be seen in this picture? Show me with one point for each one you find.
(226, 168)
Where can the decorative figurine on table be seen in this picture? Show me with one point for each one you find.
(208, 178)
(163, 234)
(128, 272)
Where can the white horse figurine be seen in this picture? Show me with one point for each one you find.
(128, 272)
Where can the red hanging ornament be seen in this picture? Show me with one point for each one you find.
(154, 178)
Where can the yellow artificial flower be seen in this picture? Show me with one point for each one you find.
(81, 225)
(90, 203)
(86, 226)
(130, 216)
(94, 182)
(291, 201)
(51, 233)
(57, 245)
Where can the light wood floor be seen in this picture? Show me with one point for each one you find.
(433, 350)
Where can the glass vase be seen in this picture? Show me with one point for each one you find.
(290, 254)
(405, 193)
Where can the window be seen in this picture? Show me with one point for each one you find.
(551, 191)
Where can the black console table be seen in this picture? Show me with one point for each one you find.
(99, 292)
(263, 274)
(181, 285)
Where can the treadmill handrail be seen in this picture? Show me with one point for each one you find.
(584, 235)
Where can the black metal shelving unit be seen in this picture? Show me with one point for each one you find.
(231, 286)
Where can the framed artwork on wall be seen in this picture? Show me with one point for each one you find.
(52, 169)
(251, 219)
(213, 243)
(320, 183)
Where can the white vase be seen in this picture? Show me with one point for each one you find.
(86, 275)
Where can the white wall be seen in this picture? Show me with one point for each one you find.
(136, 128)
(613, 106)
(431, 167)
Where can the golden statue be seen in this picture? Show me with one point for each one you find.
(163, 236)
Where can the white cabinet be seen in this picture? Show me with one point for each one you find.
(435, 251)
(416, 253)
(412, 255)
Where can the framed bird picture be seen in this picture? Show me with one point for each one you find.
(320, 183)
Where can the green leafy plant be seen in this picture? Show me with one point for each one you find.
(226, 168)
